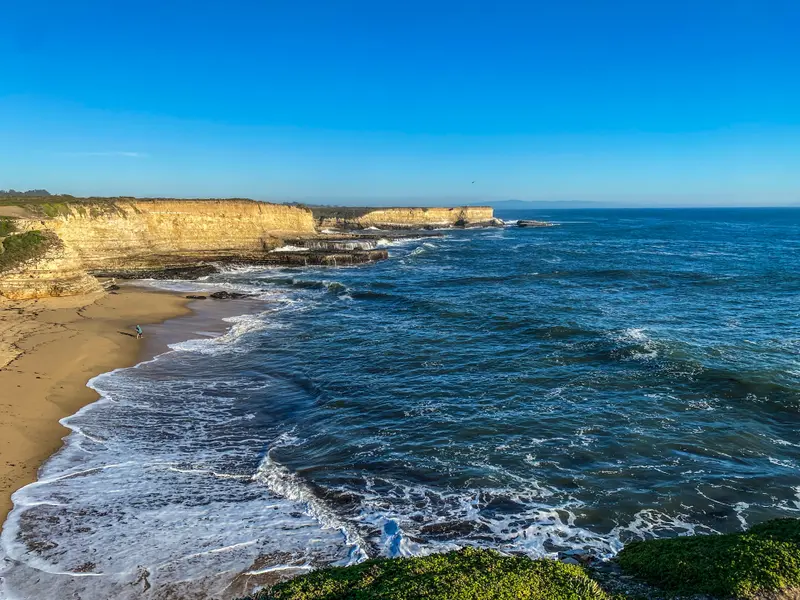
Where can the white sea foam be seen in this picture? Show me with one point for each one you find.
(209, 524)
(788, 464)
(287, 485)
(398, 242)
(638, 336)
(536, 528)
(230, 340)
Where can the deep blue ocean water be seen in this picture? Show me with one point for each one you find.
(625, 374)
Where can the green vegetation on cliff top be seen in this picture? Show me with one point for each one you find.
(17, 248)
(54, 206)
(467, 574)
(752, 564)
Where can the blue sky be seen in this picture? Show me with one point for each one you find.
(641, 102)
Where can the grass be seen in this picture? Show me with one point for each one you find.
(752, 564)
(20, 247)
(467, 574)
(58, 205)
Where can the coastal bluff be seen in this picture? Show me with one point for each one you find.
(355, 218)
(58, 246)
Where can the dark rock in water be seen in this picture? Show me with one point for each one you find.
(187, 272)
(228, 295)
(112, 288)
(576, 555)
(196, 297)
(530, 223)
(450, 529)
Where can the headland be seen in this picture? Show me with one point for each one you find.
(58, 246)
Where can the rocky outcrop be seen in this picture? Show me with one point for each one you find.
(404, 218)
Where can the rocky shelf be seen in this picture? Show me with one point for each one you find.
(531, 223)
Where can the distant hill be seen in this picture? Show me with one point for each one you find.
(540, 204)
(643, 202)
(16, 194)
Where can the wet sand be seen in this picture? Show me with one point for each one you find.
(49, 349)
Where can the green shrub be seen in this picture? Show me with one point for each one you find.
(782, 530)
(467, 574)
(742, 565)
(6, 226)
(20, 247)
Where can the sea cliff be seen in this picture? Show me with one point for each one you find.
(403, 218)
(158, 233)
(102, 236)
(69, 241)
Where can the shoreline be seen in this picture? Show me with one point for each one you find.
(49, 350)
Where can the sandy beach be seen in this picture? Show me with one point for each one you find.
(49, 349)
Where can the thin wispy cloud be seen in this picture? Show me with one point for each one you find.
(108, 153)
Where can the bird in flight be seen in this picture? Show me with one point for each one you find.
(473, 182)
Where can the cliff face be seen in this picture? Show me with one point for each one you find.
(405, 218)
(146, 234)
(181, 238)
(160, 233)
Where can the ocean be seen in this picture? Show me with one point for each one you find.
(625, 374)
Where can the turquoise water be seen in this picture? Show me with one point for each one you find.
(626, 374)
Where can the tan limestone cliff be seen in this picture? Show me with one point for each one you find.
(157, 233)
(408, 218)
(137, 234)
(59, 272)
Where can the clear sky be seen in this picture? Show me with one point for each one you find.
(690, 101)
